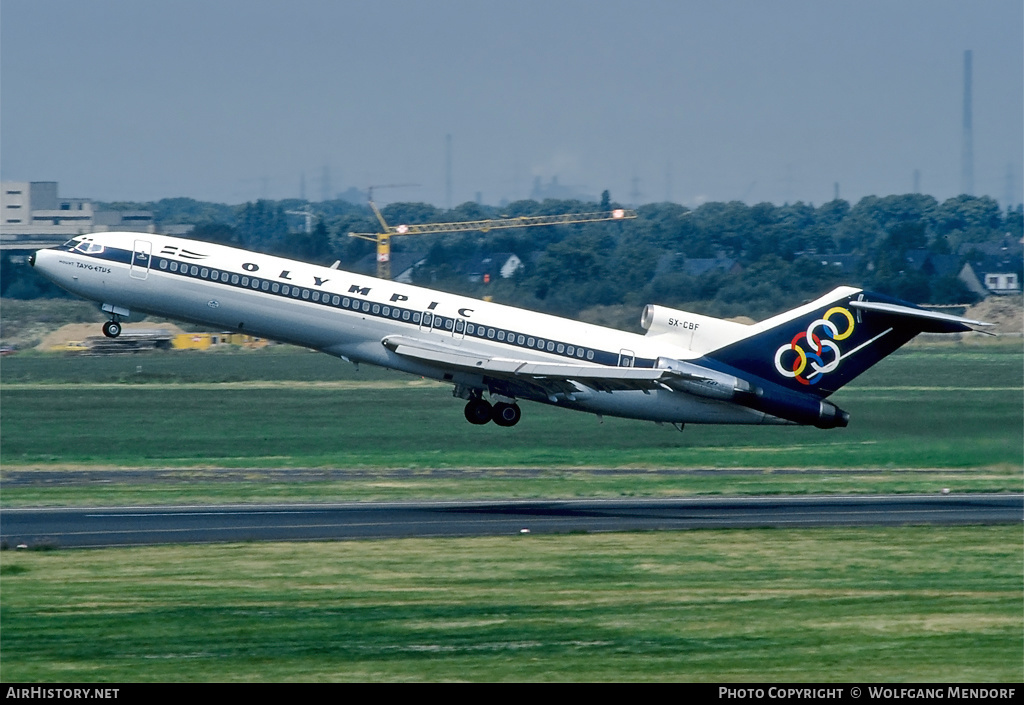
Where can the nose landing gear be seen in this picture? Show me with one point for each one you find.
(112, 328)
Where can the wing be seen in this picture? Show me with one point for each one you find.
(546, 378)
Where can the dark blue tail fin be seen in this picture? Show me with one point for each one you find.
(819, 347)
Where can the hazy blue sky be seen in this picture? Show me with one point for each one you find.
(692, 100)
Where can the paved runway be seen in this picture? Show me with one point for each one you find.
(131, 526)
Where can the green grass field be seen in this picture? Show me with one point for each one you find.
(922, 420)
(909, 604)
(913, 604)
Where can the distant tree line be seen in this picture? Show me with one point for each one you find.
(719, 258)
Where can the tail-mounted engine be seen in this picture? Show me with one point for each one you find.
(758, 394)
(691, 330)
(703, 382)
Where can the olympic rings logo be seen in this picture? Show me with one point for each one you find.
(791, 360)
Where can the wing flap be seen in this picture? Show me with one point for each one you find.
(551, 377)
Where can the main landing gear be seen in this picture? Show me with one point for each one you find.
(479, 411)
(112, 329)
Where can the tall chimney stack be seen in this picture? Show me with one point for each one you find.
(967, 167)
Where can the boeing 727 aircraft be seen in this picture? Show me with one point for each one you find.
(687, 368)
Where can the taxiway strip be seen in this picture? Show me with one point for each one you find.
(131, 526)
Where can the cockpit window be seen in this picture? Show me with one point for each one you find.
(89, 248)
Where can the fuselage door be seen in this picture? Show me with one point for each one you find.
(626, 358)
(142, 255)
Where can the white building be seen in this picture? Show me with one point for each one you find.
(33, 215)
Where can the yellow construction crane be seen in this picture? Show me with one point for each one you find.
(383, 239)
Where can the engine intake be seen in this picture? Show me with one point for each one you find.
(704, 382)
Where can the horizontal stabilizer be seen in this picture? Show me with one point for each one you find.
(918, 313)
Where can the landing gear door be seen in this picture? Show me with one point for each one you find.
(142, 255)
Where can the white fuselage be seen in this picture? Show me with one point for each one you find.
(348, 315)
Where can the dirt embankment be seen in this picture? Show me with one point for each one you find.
(77, 332)
(43, 323)
(1006, 313)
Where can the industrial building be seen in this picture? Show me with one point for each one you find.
(34, 216)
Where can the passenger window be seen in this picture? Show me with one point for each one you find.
(376, 309)
(335, 300)
(501, 335)
(276, 288)
(520, 340)
(174, 266)
(305, 294)
(195, 270)
(561, 348)
(590, 354)
(405, 315)
(163, 264)
(204, 272)
(234, 278)
(265, 285)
